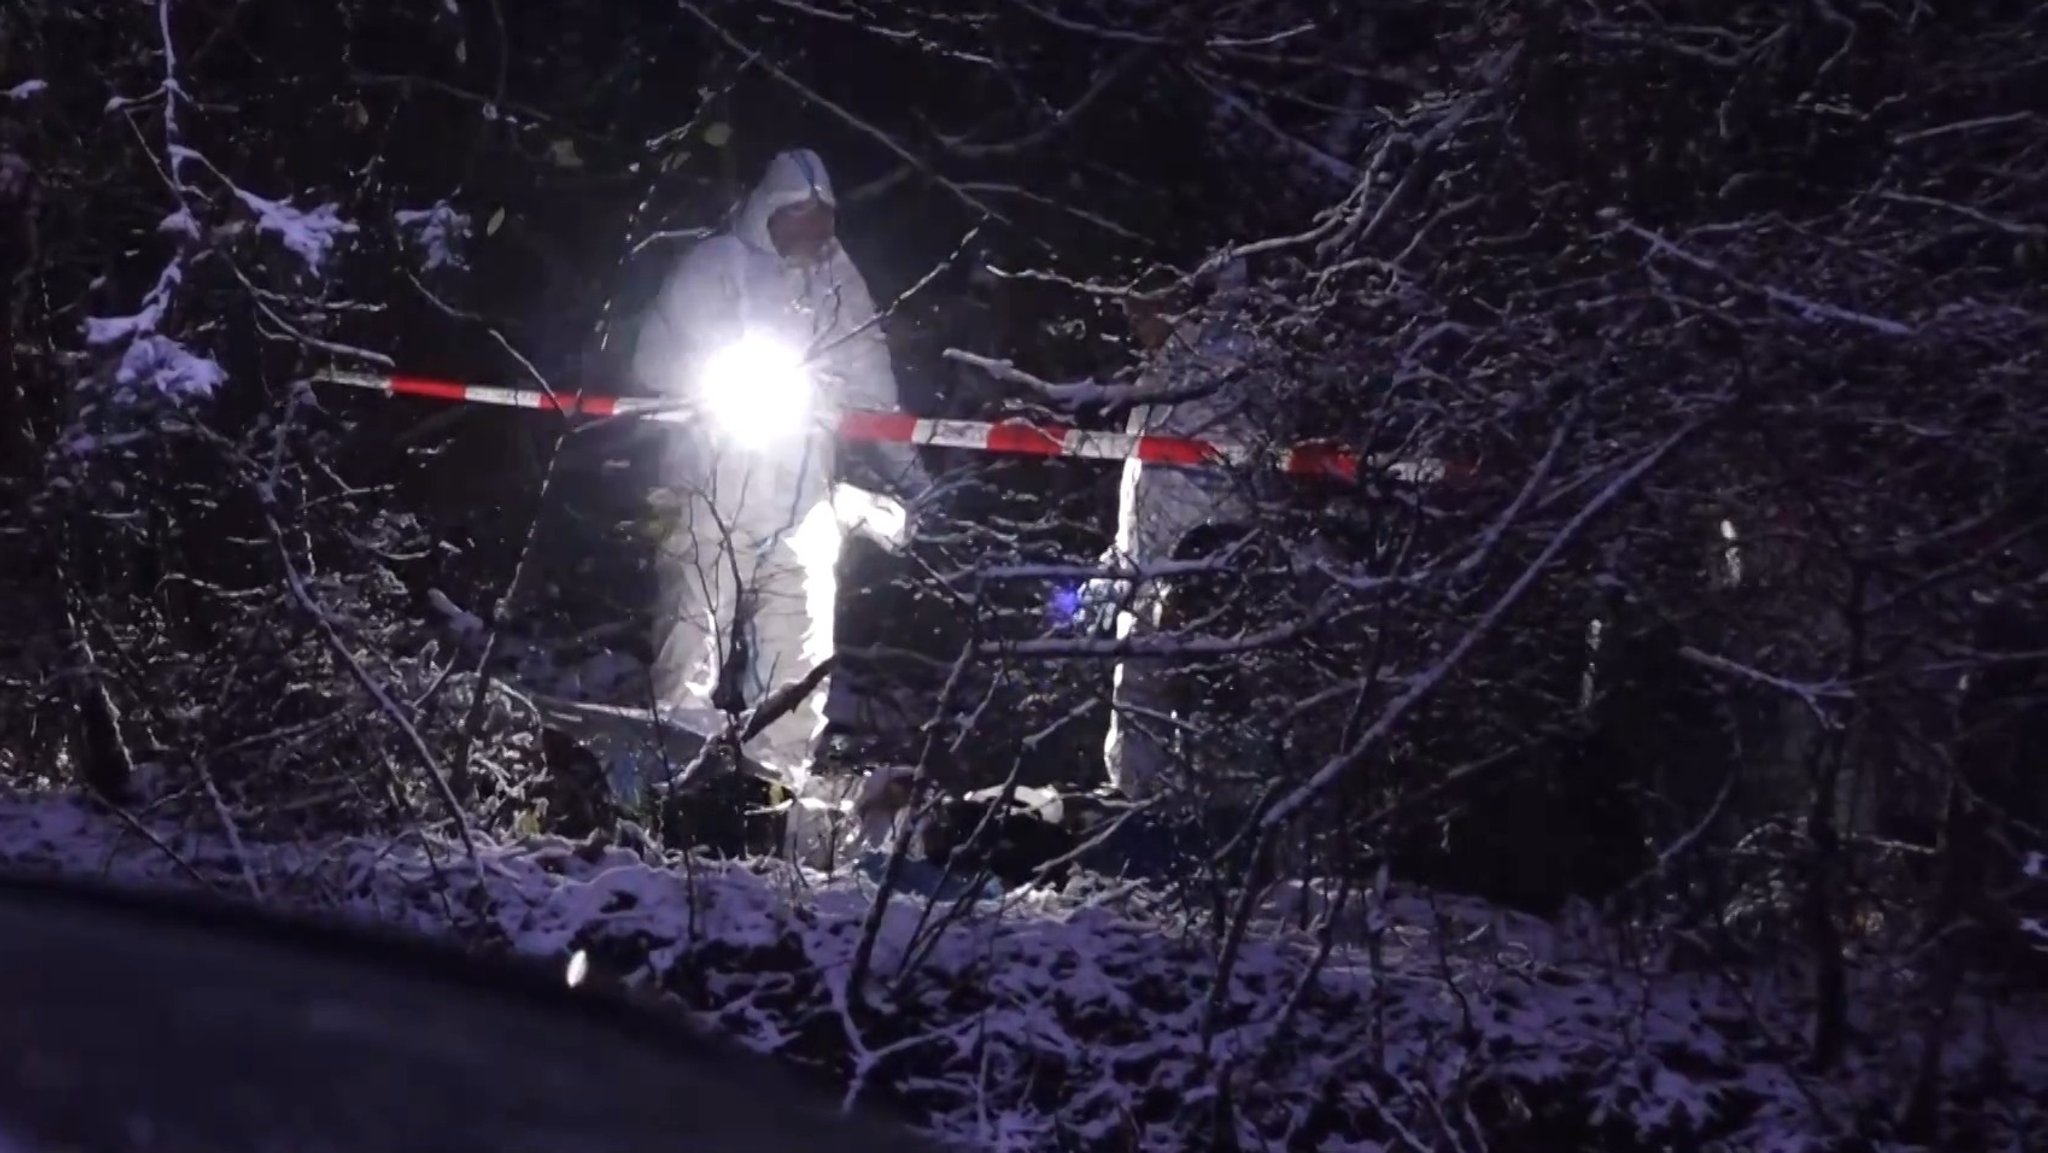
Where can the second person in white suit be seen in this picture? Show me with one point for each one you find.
(1194, 385)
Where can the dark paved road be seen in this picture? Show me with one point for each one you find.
(129, 1023)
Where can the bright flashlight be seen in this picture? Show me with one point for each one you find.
(756, 390)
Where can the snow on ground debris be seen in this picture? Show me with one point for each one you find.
(1059, 1024)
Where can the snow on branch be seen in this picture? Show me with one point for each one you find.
(309, 234)
(1805, 307)
(147, 357)
(151, 363)
(438, 232)
(160, 366)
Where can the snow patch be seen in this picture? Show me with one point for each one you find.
(161, 366)
(153, 363)
(309, 234)
(26, 89)
(102, 331)
(105, 331)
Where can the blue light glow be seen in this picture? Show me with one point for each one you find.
(1066, 604)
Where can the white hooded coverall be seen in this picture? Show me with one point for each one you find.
(761, 523)
(1157, 507)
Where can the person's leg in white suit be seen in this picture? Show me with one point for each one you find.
(765, 532)
(732, 574)
(822, 829)
(697, 590)
(791, 632)
(1156, 509)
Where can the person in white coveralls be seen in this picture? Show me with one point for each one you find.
(1196, 372)
(769, 331)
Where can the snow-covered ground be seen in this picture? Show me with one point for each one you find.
(1060, 1022)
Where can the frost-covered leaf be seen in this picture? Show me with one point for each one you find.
(439, 233)
(25, 89)
(497, 221)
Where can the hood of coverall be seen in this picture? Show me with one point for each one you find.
(1211, 349)
(792, 178)
(1225, 312)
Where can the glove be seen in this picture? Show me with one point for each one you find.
(924, 505)
(1098, 600)
(882, 519)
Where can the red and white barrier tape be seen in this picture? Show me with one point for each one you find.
(1010, 437)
